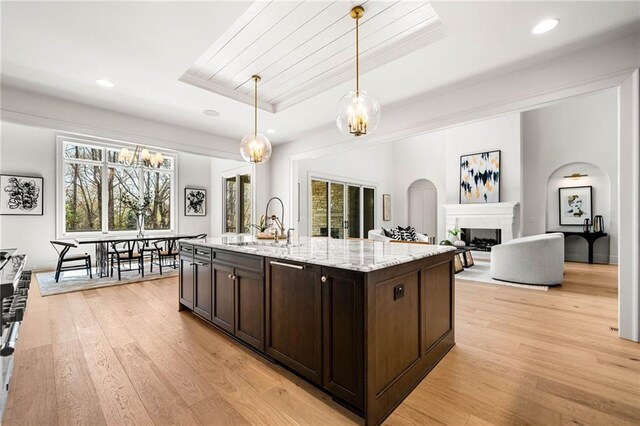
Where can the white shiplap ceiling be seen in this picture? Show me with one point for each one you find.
(301, 49)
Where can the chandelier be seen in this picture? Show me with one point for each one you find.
(358, 113)
(255, 147)
(140, 156)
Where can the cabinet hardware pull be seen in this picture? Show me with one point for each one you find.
(232, 277)
(199, 264)
(323, 279)
(288, 265)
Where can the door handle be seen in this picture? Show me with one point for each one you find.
(288, 265)
(323, 279)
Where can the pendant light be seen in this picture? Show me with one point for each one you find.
(255, 147)
(358, 113)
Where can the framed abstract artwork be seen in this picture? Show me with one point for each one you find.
(195, 202)
(21, 195)
(480, 178)
(575, 205)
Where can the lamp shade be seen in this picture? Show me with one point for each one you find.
(358, 113)
(255, 148)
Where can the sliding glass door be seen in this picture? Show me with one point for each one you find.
(340, 209)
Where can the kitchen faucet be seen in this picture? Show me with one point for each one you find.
(274, 218)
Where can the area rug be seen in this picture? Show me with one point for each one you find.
(480, 273)
(79, 280)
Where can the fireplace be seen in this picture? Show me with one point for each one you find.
(502, 219)
(481, 238)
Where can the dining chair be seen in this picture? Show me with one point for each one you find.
(165, 249)
(123, 252)
(62, 248)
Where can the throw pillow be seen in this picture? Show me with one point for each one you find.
(387, 232)
(408, 233)
(396, 235)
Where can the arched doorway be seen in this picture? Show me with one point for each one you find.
(423, 206)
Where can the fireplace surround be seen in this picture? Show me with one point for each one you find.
(502, 216)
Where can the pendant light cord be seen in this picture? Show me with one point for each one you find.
(255, 109)
(357, 59)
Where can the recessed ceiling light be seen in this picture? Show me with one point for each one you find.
(545, 26)
(104, 82)
(211, 112)
(271, 131)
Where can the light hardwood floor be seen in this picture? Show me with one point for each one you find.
(125, 355)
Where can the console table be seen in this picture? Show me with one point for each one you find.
(590, 237)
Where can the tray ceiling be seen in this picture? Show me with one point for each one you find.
(301, 49)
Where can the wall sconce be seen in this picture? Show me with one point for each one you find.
(575, 176)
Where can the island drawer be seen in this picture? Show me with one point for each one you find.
(203, 253)
(239, 260)
(186, 250)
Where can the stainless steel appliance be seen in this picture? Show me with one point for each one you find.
(14, 289)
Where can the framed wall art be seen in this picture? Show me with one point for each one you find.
(575, 205)
(386, 207)
(195, 202)
(21, 195)
(480, 178)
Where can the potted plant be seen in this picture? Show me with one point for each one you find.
(455, 234)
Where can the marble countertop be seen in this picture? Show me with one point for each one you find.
(355, 255)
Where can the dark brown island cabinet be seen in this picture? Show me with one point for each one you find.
(366, 338)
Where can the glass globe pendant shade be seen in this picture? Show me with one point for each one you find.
(358, 113)
(255, 148)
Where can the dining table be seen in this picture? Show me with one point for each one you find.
(102, 243)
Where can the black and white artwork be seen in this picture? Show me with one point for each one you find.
(575, 205)
(195, 202)
(21, 195)
(480, 178)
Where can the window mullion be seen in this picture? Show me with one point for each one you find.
(105, 193)
(237, 206)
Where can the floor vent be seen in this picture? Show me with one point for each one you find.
(613, 328)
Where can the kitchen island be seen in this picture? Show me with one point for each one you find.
(363, 320)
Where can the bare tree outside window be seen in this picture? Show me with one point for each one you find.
(85, 168)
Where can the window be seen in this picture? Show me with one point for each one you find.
(340, 209)
(237, 204)
(100, 194)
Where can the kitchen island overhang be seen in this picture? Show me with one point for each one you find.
(366, 321)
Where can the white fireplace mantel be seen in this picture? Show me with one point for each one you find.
(490, 216)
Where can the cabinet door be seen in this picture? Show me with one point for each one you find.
(223, 313)
(294, 327)
(343, 334)
(186, 281)
(249, 325)
(203, 304)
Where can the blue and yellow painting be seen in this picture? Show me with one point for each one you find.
(480, 178)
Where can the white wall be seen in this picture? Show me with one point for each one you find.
(582, 129)
(436, 156)
(30, 150)
(194, 171)
(371, 166)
